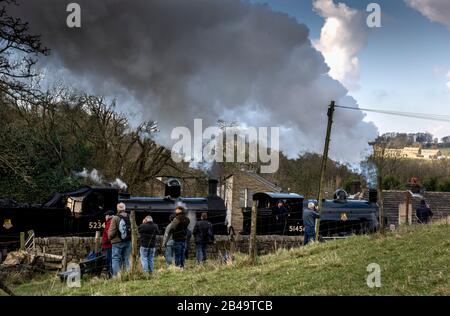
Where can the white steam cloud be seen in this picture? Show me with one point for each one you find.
(96, 178)
(93, 175)
(119, 184)
(343, 35)
(173, 61)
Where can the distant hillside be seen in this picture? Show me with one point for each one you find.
(413, 261)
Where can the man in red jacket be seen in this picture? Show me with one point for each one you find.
(106, 243)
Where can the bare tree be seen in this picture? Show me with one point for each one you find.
(18, 54)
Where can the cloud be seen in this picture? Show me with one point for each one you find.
(435, 10)
(343, 35)
(173, 61)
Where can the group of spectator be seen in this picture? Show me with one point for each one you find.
(116, 240)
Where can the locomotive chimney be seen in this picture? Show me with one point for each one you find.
(212, 187)
(173, 188)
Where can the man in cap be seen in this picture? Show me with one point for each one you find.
(204, 235)
(120, 235)
(106, 243)
(178, 230)
(309, 222)
(147, 240)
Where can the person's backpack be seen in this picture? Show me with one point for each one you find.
(124, 228)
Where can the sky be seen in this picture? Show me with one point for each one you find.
(404, 65)
(262, 63)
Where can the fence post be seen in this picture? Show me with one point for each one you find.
(232, 245)
(134, 242)
(97, 241)
(64, 255)
(253, 247)
(22, 240)
(407, 208)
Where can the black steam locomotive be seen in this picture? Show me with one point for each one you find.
(81, 213)
(339, 217)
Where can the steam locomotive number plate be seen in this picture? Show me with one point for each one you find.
(296, 228)
(96, 225)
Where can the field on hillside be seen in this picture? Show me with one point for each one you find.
(413, 261)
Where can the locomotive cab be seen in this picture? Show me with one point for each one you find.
(269, 219)
(87, 207)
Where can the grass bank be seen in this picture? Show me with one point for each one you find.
(414, 261)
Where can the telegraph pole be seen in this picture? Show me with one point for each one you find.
(330, 113)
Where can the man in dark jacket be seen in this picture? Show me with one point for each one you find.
(281, 216)
(147, 240)
(309, 222)
(178, 230)
(424, 212)
(203, 234)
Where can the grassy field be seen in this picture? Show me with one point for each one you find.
(413, 261)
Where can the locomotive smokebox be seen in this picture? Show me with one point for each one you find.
(212, 186)
(173, 188)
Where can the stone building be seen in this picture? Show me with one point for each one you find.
(237, 191)
(430, 154)
(414, 153)
(395, 205)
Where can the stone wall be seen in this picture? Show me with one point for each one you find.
(79, 247)
(439, 203)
